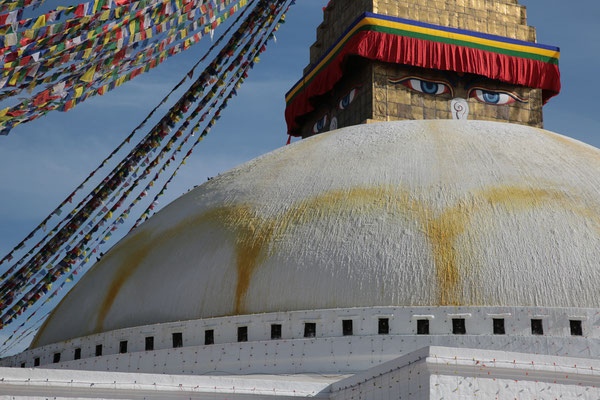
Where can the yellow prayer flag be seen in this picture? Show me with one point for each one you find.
(104, 16)
(78, 91)
(13, 79)
(3, 112)
(87, 53)
(40, 22)
(89, 74)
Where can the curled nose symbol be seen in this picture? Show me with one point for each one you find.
(459, 108)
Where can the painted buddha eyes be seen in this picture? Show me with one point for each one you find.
(320, 125)
(342, 104)
(494, 97)
(427, 87)
(436, 88)
(348, 99)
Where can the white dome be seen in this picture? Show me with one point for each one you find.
(400, 213)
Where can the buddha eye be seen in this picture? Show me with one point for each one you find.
(494, 97)
(348, 99)
(320, 125)
(424, 86)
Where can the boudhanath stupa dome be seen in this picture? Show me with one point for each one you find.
(411, 213)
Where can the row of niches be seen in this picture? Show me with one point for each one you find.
(317, 324)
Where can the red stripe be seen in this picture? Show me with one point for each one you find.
(426, 54)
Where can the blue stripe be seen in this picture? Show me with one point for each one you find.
(462, 32)
(329, 50)
(423, 25)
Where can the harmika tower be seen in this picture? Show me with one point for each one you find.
(463, 59)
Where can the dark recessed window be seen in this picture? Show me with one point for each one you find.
(458, 326)
(383, 327)
(576, 328)
(537, 327)
(98, 350)
(422, 327)
(149, 341)
(310, 329)
(22, 365)
(177, 339)
(209, 336)
(123, 346)
(56, 358)
(36, 362)
(347, 327)
(242, 333)
(276, 331)
(77, 355)
(498, 324)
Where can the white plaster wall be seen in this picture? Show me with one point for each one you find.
(428, 373)
(55, 384)
(467, 374)
(460, 387)
(330, 351)
(399, 213)
(406, 377)
(444, 373)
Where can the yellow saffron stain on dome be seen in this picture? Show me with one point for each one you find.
(442, 232)
(139, 247)
(256, 237)
(252, 236)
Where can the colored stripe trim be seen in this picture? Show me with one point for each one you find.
(399, 26)
(464, 32)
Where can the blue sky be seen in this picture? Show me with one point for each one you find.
(41, 162)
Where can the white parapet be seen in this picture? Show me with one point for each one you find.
(429, 373)
(329, 351)
(457, 373)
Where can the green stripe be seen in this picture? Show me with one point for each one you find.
(322, 67)
(400, 32)
(464, 43)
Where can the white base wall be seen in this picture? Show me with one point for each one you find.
(330, 352)
(458, 374)
(429, 373)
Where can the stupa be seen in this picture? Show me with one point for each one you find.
(426, 240)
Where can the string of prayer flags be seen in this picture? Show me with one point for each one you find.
(99, 49)
(77, 239)
(58, 210)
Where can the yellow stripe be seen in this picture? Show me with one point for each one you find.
(418, 29)
(467, 38)
(326, 59)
